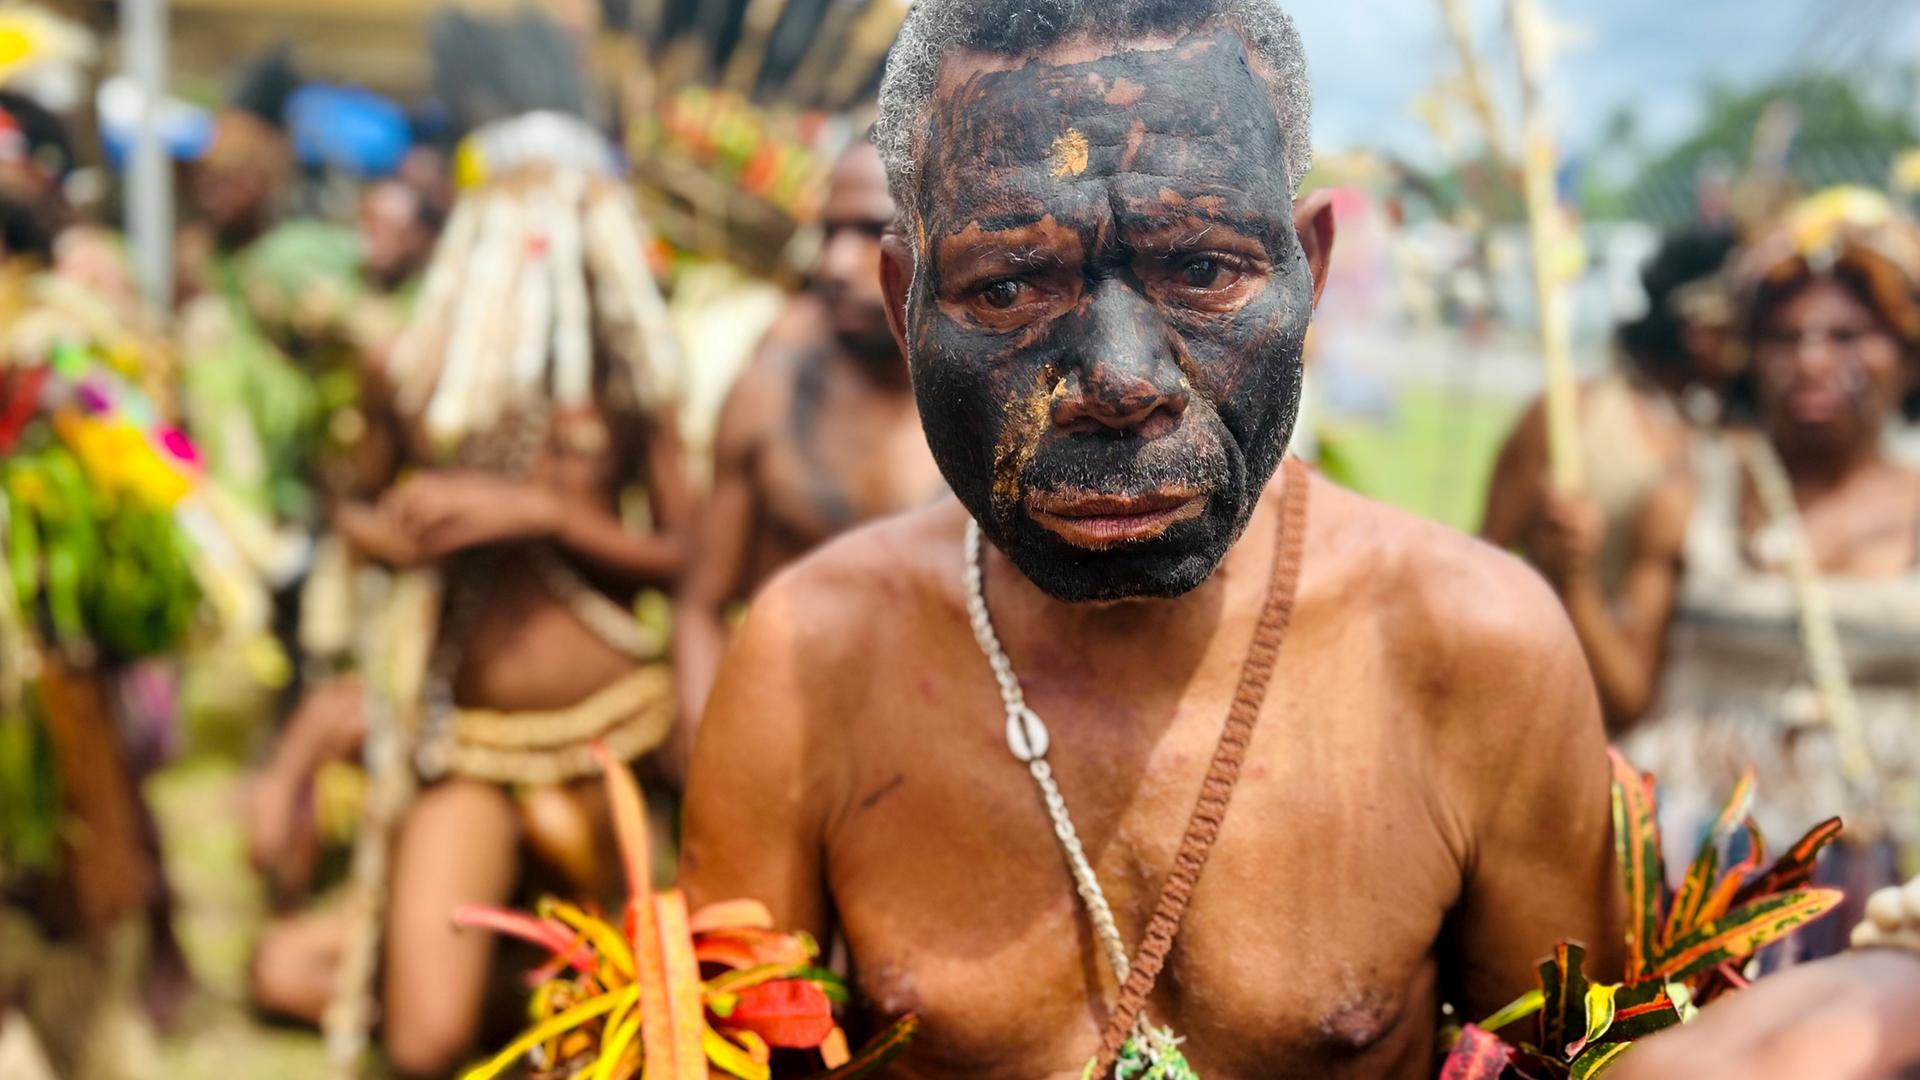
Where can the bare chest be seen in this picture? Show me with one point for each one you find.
(838, 458)
(1309, 948)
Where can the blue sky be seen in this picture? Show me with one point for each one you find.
(1371, 58)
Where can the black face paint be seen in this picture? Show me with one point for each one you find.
(1110, 300)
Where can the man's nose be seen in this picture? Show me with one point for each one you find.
(1127, 380)
(845, 257)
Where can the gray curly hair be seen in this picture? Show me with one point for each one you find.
(1020, 27)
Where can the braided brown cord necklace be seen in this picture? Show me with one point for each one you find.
(1129, 1035)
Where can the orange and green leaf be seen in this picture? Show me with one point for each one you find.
(1793, 869)
(1745, 931)
(1696, 889)
(1640, 1010)
(1636, 833)
(1736, 877)
(1563, 1014)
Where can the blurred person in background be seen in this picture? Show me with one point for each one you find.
(528, 409)
(36, 156)
(1634, 420)
(240, 185)
(819, 434)
(397, 226)
(1770, 608)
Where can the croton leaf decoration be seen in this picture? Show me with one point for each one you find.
(672, 994)
(1686, 945)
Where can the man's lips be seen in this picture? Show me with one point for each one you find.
(1098, 521)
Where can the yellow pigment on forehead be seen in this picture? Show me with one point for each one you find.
(1069, 155)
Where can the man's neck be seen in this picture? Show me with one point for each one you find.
(1815, 474)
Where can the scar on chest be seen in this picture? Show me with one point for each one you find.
(879, 794)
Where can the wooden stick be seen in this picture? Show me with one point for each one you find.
(750, 54)
(1479, 96)
(867, 45)
(1539, 168)
(828, 44)
(397, 663)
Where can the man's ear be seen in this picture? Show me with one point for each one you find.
(896, 281)
(1313, 222)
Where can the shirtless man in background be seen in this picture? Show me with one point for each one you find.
(819, 434)
(1103, 290)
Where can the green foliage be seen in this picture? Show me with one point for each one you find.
(1842, 137)
(1683, 945)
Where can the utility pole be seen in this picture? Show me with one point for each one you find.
(149, 203)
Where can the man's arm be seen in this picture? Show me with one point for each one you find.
(1625, 637)
(762, 772)
(1513, 495)
(1850, 1017)
(1533, 781)
(717, 574)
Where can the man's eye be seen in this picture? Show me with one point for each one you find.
(1205, 272)
(1003, 294)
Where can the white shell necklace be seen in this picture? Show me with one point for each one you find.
(1027, 737)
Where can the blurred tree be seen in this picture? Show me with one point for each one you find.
(1842, 137)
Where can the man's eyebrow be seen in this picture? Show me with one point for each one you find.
(1000, 223)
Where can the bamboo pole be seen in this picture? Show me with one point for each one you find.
(750, 55)
(1476, 83)
(1547, 229)
(1538, 163)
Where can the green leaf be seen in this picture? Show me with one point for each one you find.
(1639, 1011)
(1636, 836)
(1597, 1060)
(1522, 1007)
(1600, 1013)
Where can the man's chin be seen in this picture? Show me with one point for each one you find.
(1163, 569)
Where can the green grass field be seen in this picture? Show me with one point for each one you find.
(1432, 457)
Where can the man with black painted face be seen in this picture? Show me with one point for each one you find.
(969, 741)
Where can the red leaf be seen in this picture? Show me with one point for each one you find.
(747, 948)
(1479, 1055)
(791, 1014)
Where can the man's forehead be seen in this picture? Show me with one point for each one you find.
(1193, 112)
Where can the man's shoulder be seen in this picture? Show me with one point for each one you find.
(855, 597)
(1443, 599)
